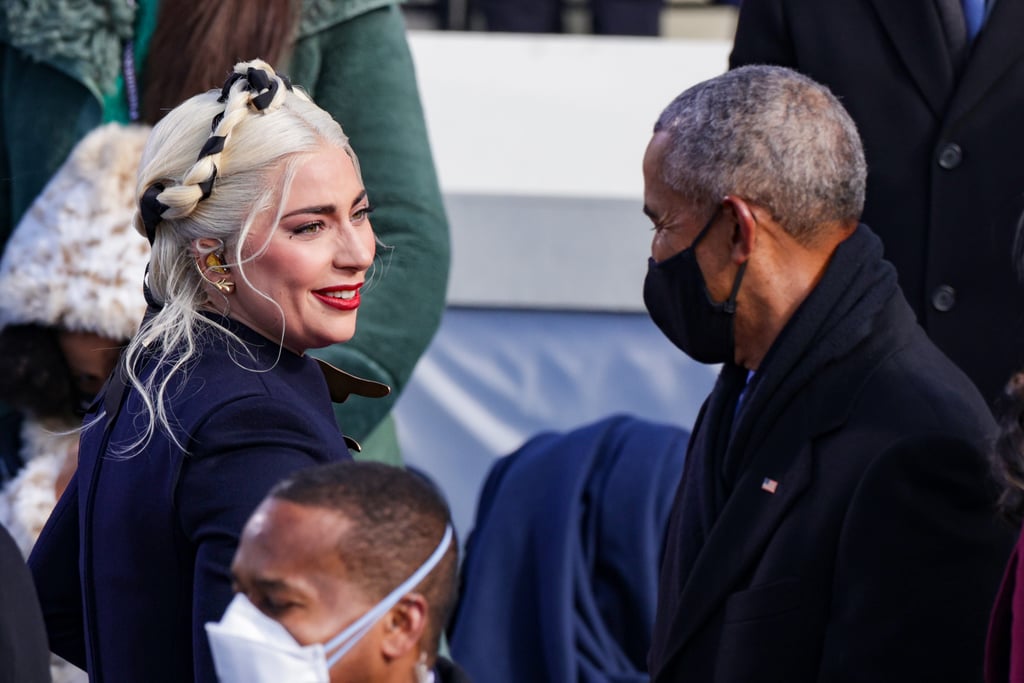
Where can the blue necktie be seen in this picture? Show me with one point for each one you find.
(974, 16)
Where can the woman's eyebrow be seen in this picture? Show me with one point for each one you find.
(319, 210)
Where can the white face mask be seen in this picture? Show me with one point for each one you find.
(250, 647)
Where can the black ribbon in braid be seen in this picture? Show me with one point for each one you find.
(226, 90)
(152, 210)
(213, 145)
(152, 304)
(263, 87)
(260, 82)
(207, 185)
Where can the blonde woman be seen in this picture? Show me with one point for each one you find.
(261, 240)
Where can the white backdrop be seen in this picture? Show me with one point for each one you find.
(538, 142)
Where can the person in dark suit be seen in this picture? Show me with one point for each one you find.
(936, 93)
(836, 516)
(261, 241)
(345, 572)
(24, 656)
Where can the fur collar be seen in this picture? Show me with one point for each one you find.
(82, 38)
(27, 500)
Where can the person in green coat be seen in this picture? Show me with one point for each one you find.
(66, 68)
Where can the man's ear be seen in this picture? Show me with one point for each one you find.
(746, 227)
(403, 627)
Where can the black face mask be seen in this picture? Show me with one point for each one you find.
(679, 303)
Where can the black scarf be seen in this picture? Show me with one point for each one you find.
(835, 318)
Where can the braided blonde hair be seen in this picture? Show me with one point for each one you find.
(211, 166)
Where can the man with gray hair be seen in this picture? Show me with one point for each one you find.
(835, 521)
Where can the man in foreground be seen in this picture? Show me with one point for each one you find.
(835, 521)
(345, 572)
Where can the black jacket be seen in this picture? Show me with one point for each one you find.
(24, 655)
(944, 141)
(449, 672)
(847, 531)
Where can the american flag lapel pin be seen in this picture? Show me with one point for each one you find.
(769, 485)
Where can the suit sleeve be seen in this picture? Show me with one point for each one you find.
(219, 487)
(920, 559)
(762, 35)
(366, 79)
(54, 565)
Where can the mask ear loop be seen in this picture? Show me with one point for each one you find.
(730, 303)
(707, 227)
(346, 640)
(421, 671)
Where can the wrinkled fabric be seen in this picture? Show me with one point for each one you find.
(560, 575)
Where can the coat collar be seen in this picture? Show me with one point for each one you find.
(916, 32)
(997, 47)
(918, 36)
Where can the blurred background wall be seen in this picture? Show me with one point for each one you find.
(538, 141)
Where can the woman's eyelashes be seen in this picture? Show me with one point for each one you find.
(359, 215)
(362, 213)
(309, 228)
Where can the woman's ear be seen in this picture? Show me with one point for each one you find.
(403, 627)
(206, 245)
(209, 255)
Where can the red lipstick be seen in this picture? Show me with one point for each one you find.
(340, 297)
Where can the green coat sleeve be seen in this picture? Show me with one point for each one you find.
(361, 71)
(45, 112)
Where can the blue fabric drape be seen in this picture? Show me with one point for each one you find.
(560, 575)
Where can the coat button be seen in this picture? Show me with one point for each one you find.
(944, 298)
(950, 156)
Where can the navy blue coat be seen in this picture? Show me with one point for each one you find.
(136, 556)
(560, 576)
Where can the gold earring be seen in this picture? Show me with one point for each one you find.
(225, 286)
(215, 263)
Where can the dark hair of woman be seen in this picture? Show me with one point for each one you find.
(194, 39)
(1009, 449)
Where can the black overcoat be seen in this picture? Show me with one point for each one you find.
(859, 541)
(944, 141)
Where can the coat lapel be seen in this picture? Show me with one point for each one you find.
(747, 522)
(916, 31)
(997, 47)
(778, 474)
